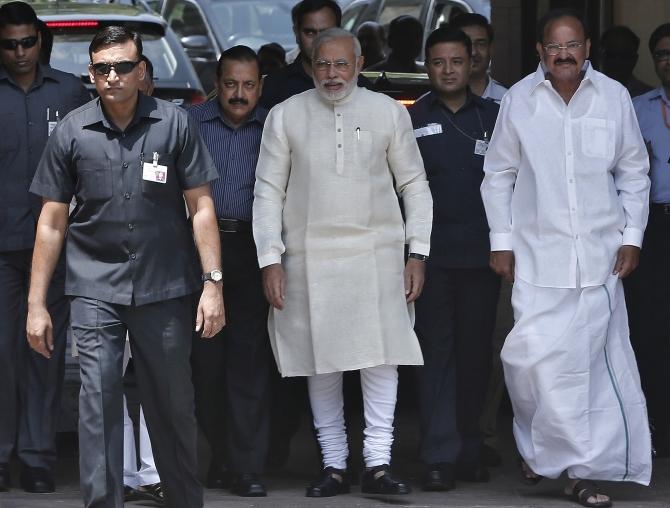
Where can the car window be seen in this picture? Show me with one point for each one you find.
(394, 8)
(70, 54)
(350, 16)
(254, 22)
(186, 19)
(444, 12)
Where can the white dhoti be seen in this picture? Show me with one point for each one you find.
(574, 385)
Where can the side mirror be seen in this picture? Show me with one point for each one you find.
(195, 42)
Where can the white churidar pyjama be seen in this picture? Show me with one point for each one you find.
(574, 385)
(147, 474)
(379, 386)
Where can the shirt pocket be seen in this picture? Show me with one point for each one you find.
(9, 141)
(362, 154)
(598, 138)
(94, 180)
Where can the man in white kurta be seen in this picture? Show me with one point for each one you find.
(330, 239)
(566, 196)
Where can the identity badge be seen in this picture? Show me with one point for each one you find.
(51, 127)
(153, 172)
(481, 146)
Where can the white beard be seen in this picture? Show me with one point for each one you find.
(335, 95)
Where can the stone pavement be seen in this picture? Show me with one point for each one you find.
(286, 487)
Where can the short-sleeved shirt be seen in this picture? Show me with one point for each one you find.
(447, 141)
(290, 81)
(654, 125)
(24, 120)
(129, 241)
(235, 153)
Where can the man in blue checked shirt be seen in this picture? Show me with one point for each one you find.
(230, 372)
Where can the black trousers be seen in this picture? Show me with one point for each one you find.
(648, 299)
(160, 342)
(30, 385)
(455, 318)
(231, 371)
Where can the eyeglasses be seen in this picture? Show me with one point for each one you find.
(25, 43)
(662, 55)
(104, 68)
(338, 65)
(555, 49)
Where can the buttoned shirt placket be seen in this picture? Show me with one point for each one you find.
(339, 140)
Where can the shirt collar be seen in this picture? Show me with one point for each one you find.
(658, 93)
(213, 111)
(43, 72)
(540, 76)
(471, 100)
(147, 107)
(296, 68)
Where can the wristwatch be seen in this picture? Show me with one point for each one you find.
(214, 276)
(420, 257)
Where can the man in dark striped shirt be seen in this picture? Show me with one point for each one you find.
(232, 369)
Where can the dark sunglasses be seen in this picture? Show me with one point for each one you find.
(103, 68)
(26, 42)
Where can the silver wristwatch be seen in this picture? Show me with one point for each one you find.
(214, 276)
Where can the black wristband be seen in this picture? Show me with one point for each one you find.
(420, 257)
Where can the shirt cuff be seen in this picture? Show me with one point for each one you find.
(632, 236)
(500, 241)
(269, 259)
(419, 248)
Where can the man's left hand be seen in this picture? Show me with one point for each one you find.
(415, 275)
(211, 313)
(626, 261)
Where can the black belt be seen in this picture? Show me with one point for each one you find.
(662, 208)
(234, 226)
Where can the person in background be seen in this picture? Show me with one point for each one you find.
(272, 57)
(405, 40)
(33, 98)
(648, 288)
(566, 194)
(480, 31)
(456, 312)
(333, 267)
(147, 84)
(231, 372)
(372, 37)
(618, 57)
(46, 43)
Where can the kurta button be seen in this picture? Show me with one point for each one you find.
(127, 195)
(339, 146)
(133, 256)
(339, 130)
(125, 165)
(131, 227)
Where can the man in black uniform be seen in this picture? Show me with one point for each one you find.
(32, 98)
(230, 372)
(455, 315)
(310, 18)
(130, 160)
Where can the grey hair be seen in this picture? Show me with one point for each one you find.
(331, 34)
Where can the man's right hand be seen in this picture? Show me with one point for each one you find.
(502, 262)
(273, 285)
(40, 330)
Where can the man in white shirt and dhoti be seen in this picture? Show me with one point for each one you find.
(566, 194)
(330, 238)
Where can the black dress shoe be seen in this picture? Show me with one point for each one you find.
(153, 492)
(476, 473)
(440, 477)
(378, 480)
(37, 480)
(218, 477)
(5, 479)
(129, 493)
(248, 485)
(331, 483)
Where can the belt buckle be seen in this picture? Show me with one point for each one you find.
(228, 225)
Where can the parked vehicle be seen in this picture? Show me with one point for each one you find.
(73, 25)
(431, 13)
(208, 27)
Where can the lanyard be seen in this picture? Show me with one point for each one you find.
(664, 111)
(481, 124)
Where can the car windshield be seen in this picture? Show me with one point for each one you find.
(255, 22)
(70, 54)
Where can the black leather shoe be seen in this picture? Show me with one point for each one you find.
(331, 483)
(5, 478)
(129, 493)
(218, 477)
(378, 480)
(153, 492)
(476, 474)
(440, 477)
(248, 485)
(37, 480)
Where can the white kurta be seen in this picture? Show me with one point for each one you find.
(326, 208)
